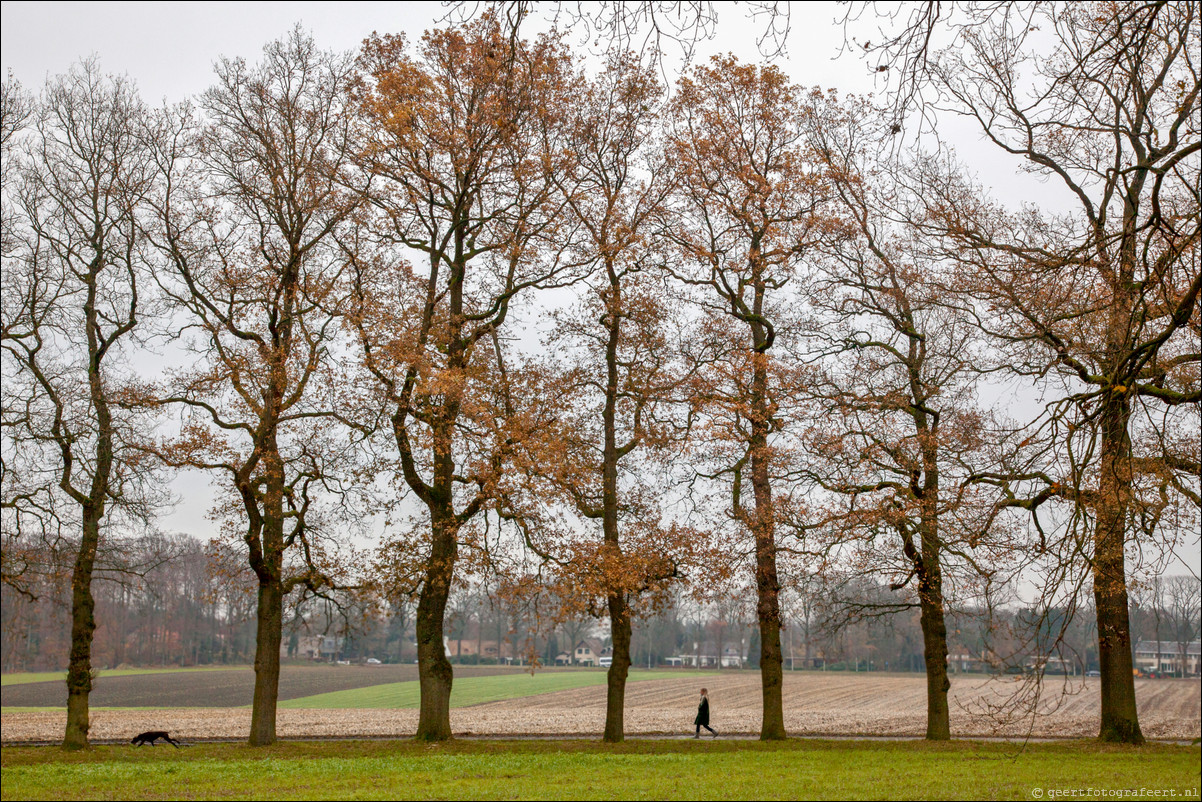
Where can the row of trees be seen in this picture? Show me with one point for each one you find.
(163, 607)
(780, 344)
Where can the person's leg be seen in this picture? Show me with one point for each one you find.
(698, 733)
(711, 729)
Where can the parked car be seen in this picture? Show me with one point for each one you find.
(371, 661)
(1093, 672)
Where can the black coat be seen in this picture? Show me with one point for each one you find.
(703, 712)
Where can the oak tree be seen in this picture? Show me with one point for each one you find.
(618, 352)
(458, 139)
(745, 210)
(897, 431)
(74, 295)
(1099, 297)
(257, 192)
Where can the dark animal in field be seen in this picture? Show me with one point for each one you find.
(152, 736)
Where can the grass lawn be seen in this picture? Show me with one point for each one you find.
(26, 677)
(589, 770)
(471, 690)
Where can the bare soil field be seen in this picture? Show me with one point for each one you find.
(815, 704)
(227, 688)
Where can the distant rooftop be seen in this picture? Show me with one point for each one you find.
(1167, 647)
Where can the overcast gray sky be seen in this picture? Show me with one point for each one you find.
(169, 48)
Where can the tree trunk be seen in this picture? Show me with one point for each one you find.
(83, 604)
(615, 699)
(768, 609)
(619, 611)
(934, 649)
(929, 567)
(265, 537)
(1120, 718)
(269, 617)
(767, 581)
(434, 669)
(771, 671)
(83, 626)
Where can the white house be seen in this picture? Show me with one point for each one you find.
(1166, 656)
(591, 652)
(732, 656)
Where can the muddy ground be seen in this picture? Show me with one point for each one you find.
(815, 704)
(224, 688)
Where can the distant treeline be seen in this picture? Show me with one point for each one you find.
(176, 612)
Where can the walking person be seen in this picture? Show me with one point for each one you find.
(703, 716)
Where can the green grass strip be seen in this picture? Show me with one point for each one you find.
(467, 691)
(589, 770)
(27, 677)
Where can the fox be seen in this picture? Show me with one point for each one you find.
(152, 736)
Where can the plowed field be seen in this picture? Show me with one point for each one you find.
(815, 704)
(226, 688)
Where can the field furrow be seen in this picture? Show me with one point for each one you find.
(815, 703)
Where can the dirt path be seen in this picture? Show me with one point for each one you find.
(815, 704)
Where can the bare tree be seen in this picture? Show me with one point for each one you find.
(29, 520)
(1101, 299)
(743, 216)
(1184, 597)
(71, 306)
(897, 433)
(651, 30)
(248, 222)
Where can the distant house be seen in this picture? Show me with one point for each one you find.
(315, 647)
(487, 648)
(1051, 665)
(589, 651)
(732, 656)
(966, 662)
(1166, 656)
